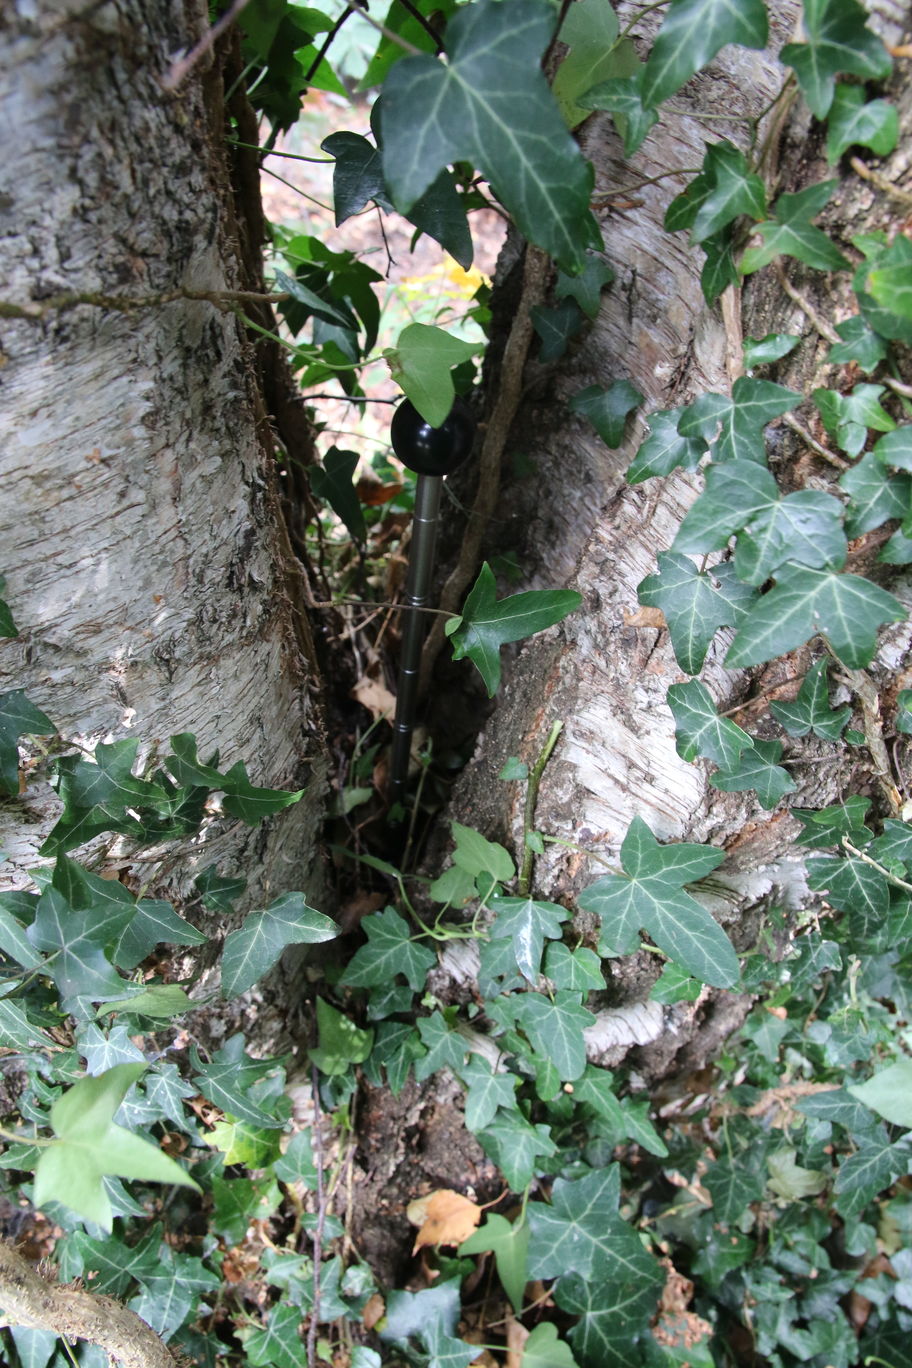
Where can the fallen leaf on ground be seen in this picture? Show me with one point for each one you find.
(374, 696)
(445, 1217)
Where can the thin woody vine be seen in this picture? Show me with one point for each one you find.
(755, 1220)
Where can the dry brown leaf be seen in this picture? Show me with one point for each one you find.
(374, 1311)
(645, 617)
(445, 1217)
(374, 696)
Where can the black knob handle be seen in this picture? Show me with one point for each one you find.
(432, 450)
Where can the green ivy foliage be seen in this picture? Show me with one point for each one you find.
(780, 1193)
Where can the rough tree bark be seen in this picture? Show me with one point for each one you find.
(145, 555)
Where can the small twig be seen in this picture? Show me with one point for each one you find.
(184, 65)
(425, 23)
(35, 310)
(897, 386)
(866, 859)
(535, 277)
(327, 44)
(880, 182)
(762, 697)
(604, 196)
(798, 428)
(825, 329)
(631, 25)
(862, 684)
(535, 778)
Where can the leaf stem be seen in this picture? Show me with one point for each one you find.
(271, 152)
(632, 23)
(535, 778)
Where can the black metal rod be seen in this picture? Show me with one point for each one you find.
(417, 596)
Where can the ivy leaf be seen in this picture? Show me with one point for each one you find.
(613, 1318)
(791, 233)
(699, 730)
(857, 121)
(586, 288)
(889, 1093)
(607, 409)
(874, 495)
(894, 843)
(340, 1042)
(514, 1144)
(837, 39)
(555, 326)
(590, 31)
(811, 710)
(422, 363)
(78, 940)
(695, 603)
(743, 497)
(509, 1244)
(853, 886)
(862, 1175)
(743, 416)
(154, 922)
(357, 174)
(543, 1349)
(890, 280)
(719, 268)
(18, 717)
(579, 969)
(486, 624)
(886, 267)
(623, 97)
(826, 826)
(527, 922)
(390, 950)
(691, 35)
(487, 1091)
(446, 1048)
(896, 448)
(556, 1028)
(650, 896)
(860, 344)
(485, 861)
(157, 1001)
(358, 179)
(89, 1145)
(253, 949)
(278, 1343)
(228, 1077)
(250, 803)
(846, 609)
(725, 189)
(333, 482)
(490, 105)
(733, 1184)
(847, 417)
(581, 1230)
(665, 449)
(898, 550)
(758, 769)
(8, 627)
(760, 351)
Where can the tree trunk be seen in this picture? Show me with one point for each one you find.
(147, 563)
(605, 672)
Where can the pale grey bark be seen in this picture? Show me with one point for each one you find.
(139, 530)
